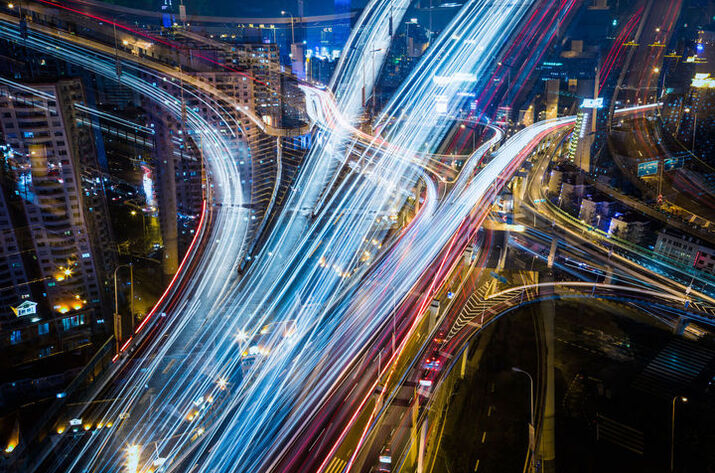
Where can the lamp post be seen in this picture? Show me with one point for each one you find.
(117, 316)
(134, 213)
(684, 400)
(292, 30)
(532, 433)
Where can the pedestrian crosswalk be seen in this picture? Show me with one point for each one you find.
(336, 465)
(487, 296)
(674, 368)
(475, 306)
(620, 434)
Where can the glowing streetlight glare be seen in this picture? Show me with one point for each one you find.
(132, 465)
(222, 383)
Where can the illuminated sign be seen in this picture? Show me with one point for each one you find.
(148, 186)
(26, 308)
(649, 168)
(703, 80)
(673, 163)
(75, 422)
(592, 103)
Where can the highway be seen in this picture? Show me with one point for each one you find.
(306, 265)
(520, 145)
(250, 373)
(667, 275)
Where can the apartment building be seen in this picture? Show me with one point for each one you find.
(59, 210)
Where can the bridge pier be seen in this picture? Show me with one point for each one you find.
(463, 364)
(680, 326)
(468, 254)
(546, 454)
(504, 251)
(609, 275)
(433, 313)
(552, 253)
(414, 430)
(422, 444)
(118, 331)
(418, 193)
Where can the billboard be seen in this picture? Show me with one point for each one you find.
(592, 103)
(649, 168)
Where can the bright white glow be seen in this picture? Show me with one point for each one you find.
(132, 463)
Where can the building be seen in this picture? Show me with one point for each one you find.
(262, 62)
(56, 177)
(594, 211)
(552, 98)
(685, 250)
(13, 277)
(571, 189)
(628, 226)
(555, 180)
(57, 246)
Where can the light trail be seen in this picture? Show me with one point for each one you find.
(223, 169)
(141, 379)
(310, 274)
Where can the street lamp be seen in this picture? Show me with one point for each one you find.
(684, 400)
(292, 30)
(532, 427)
(134, 213)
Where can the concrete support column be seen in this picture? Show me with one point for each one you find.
(414, 430)
(433, 313)
(421, 453)
(468, 254)
(680, 326)
(463, 367)
(546, 454)
(118, 331)
(609, 275)
(418, 193)
(552, 253)
(166, 170)
(504, 251)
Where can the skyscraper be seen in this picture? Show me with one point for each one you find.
(53, 169)
(56, 250)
